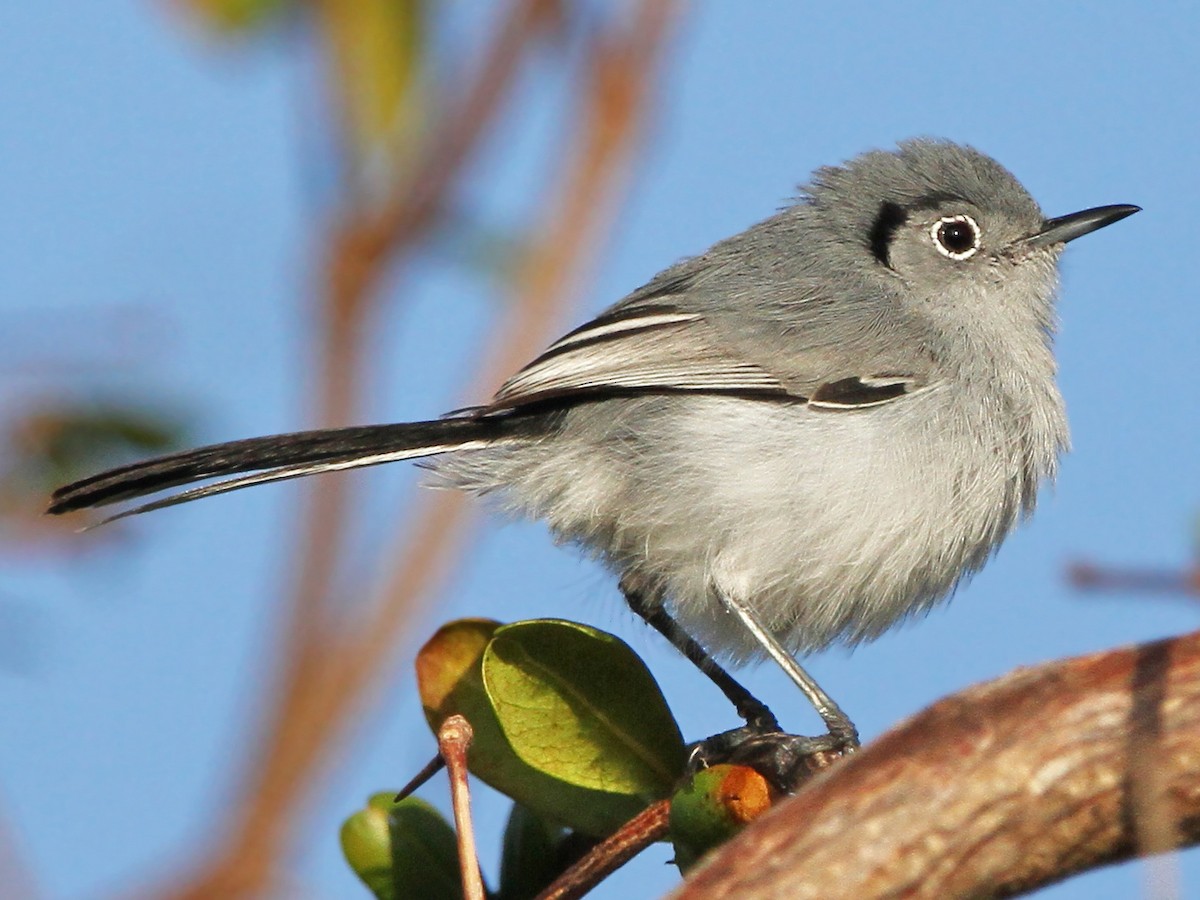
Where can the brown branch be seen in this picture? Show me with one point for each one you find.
(996, 791)
(646, 828)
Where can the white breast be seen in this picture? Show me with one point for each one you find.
(832, 526)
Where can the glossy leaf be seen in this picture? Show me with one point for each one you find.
(402, 851)
(450, 680)
(579, 704)
(448, 676)
(530, 858)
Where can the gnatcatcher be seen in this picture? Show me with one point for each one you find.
(802, 436)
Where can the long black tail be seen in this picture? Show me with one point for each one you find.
(280, 457)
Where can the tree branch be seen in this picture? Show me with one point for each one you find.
(998, 790)
(649, 826)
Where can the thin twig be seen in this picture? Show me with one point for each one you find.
(428, 770)
(646, 828)
(1092, 577)
(454, 740)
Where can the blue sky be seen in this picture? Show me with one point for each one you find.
(147, 170)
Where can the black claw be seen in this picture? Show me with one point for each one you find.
(785, 760)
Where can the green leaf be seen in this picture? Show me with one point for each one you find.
(450, 680)
(402, 851)
(530, 859)
(367, 847)
(448, 677)
(578, 704)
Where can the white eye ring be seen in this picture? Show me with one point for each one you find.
(938, 233)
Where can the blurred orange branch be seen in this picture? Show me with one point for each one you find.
(364, 243)
(331, 670)
(1093, 577)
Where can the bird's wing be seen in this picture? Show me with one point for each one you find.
(659, 348)
(638, 349)
(863, 391)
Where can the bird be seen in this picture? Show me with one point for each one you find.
(803, 436)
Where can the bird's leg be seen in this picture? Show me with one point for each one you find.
(759, 719)
(841, 729)
(785, 760)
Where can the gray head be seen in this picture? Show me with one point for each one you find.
(939, 221)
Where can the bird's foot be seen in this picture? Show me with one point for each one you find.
(785, 760)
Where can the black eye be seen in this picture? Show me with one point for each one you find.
(956, 236)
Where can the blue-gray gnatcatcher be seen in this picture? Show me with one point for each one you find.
(804, 435)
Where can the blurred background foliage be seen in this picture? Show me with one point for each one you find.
(402, 115)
